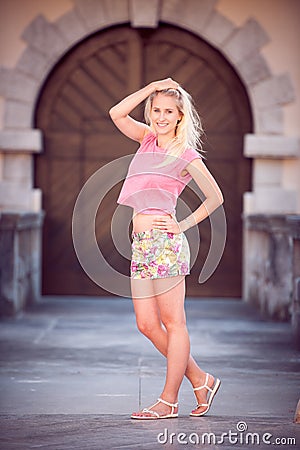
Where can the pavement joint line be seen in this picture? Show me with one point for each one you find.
(140, 381)
(43, 333)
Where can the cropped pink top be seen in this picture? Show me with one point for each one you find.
(154, 181)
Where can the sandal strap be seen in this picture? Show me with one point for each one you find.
(159, 400)
(149, 411)
(204, 386)
(201, 404)
(152, 406)
(172, 405)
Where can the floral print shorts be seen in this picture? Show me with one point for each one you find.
(157, 254)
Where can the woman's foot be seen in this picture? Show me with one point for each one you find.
(205, 391)
(160, 410)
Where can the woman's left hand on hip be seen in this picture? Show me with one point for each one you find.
(167, 224)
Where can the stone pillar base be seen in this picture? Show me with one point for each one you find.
(294, 222)
(20, 260)
(272, 263)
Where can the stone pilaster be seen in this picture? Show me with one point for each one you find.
(20, 260)
(16, 180)
(269, 253)
(269, 194)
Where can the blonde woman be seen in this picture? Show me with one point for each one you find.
(165, 162)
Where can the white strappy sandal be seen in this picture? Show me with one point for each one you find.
(212, 392)
(153, 414)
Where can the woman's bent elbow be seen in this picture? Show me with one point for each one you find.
(219, 195)
(218, 201)
(112, 113)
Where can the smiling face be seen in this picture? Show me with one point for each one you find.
(164, 115)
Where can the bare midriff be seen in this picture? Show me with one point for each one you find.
(142, 222)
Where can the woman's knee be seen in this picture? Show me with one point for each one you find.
(172, 324)
(148, 328)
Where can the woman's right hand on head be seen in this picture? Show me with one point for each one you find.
(167, 83)
(120, 113)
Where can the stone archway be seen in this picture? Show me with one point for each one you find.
(48, 42)
(79, 137)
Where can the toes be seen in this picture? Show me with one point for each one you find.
(141, 414)
(200, 410)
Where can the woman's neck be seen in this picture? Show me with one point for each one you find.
(163, 141)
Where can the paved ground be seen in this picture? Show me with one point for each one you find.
(72, 370)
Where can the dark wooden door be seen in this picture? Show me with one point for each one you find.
(79, 138)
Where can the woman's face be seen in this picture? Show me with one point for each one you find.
(164, 115)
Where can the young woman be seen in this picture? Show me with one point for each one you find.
(165, 162)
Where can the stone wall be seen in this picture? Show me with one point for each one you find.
(295, 227)
(20, 265)
(271, 249)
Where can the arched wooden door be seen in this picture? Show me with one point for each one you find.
(79, 138)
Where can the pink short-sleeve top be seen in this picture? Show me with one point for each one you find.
(155, 180)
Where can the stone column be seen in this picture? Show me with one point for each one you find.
(268, 264)
(294, 224)
(268, 256)
(272, 265)
(20, 265)
(21, 221)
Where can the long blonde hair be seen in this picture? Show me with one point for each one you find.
(189, 130)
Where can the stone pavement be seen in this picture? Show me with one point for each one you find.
(73, 369)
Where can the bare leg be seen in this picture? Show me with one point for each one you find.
(158, 306)
(171, 307)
